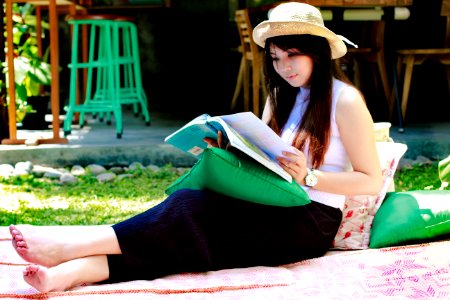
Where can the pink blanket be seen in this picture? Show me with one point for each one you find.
(410, 272)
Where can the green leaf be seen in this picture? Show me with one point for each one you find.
(33, 88)
(444, 170)
(21, 92)
(31, 21)
(41, 73)
(17, 33)
(21, 67)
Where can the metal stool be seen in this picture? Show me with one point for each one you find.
(101, 59)
(125, 49)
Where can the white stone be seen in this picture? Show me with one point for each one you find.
(122, 176)
(53, 174)
(67, 178)
(136, 166)
(95, 169)
(77, 170)
(6, 170)
(422, 160)
(22, 168)
(106, 177)
(154, 168)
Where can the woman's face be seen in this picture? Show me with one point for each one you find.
(292, 65)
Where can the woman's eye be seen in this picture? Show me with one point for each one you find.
(274, 58)
(292, 54)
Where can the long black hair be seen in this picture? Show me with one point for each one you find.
(315, 125)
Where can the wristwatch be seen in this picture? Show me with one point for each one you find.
(311, 178)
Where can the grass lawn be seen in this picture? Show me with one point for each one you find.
(45, 202)
(42, 201)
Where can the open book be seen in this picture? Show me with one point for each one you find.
(244, 131)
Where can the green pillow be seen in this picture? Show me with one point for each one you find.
(410, 217)
(239, 176)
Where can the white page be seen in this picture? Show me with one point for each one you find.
(258, 133)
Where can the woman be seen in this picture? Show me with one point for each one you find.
(311, 107)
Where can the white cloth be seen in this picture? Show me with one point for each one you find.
(293, 122)
(336, 158)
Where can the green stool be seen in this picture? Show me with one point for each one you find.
(125, 49)
(100, 60)
(131, 89)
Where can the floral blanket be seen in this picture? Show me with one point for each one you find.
(408, 272)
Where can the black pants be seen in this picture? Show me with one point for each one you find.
(196, 231)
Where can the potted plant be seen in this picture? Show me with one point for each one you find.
(31, 72)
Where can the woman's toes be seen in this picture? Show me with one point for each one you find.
(22, 250)
(19, 237)
(22, 244)
(30, 270)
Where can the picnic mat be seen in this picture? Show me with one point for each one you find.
(407, 272)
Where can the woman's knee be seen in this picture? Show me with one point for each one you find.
(188, 198)
(187, 195)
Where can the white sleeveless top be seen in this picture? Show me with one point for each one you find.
(336, 158)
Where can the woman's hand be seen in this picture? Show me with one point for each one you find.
(219, 143)
(294, 164)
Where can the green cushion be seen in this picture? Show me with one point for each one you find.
(411, 217)
(239, 176)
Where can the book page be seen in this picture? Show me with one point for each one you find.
(257, 133)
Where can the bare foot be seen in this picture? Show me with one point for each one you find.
(37, 249)
(43, 279)
(69, 274)
(50, 246)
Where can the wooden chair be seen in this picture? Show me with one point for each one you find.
(372, 51)
(412, 57)
(250, 67)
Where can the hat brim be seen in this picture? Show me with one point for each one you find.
(268, 29)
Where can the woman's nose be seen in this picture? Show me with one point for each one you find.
(286, 66)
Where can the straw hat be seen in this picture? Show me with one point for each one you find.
(297, 18)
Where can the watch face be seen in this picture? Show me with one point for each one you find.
(311, 179)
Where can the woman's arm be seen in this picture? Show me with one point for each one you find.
(355, 126)
(357, 133)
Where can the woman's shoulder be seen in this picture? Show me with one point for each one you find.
(340, 86)
(345, 93)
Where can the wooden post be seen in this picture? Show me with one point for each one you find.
(11, 82)
(4, 126)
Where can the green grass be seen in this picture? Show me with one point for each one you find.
(42, 201)
(424, 177)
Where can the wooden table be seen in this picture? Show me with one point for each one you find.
(339, 5)
(361, 3)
